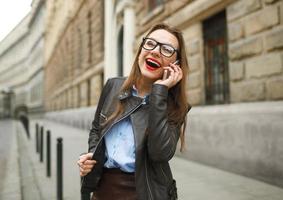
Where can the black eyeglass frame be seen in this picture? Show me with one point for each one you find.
(160, 45)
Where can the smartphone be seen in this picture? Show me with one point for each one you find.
(166, 73)
(176, 62)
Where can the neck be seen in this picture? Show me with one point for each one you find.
(143, 86)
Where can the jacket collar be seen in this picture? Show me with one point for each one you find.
(132, 92)
(124, 95)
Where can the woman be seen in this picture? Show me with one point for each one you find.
(138, 123)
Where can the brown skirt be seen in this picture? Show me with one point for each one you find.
(116, 184)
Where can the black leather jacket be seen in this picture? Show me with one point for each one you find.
(155, 140)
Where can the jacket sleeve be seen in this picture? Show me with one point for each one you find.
(162, 134)
(94, 134)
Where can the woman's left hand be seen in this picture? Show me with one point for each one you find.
(175, 75)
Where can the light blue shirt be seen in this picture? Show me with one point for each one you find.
(120, 144)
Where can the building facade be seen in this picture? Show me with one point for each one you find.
(235, 80)
(74, 54)
(60, 55)
(234, 47)
(21, 65)
(13, 68)
(35, 84)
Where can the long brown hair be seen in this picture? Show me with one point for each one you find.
(177, 101)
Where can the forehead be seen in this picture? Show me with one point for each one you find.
(164, 36)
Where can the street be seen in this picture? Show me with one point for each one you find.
(28, 179)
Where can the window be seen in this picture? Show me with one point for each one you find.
(88, 92)
(79, 50)
(89, 32)
(216, 59)
(152, 4)
(120, 51)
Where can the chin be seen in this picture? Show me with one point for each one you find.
(150, 76)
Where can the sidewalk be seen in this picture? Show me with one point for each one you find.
(10, 186)
(194, 181)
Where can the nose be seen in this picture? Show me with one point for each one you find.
(156, 50)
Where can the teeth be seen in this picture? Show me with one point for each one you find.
(152, 63)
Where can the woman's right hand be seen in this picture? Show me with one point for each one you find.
(86, 163)
(175, 75)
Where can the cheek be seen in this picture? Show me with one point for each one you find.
(166, 62)
(141, 57)
(140, 60)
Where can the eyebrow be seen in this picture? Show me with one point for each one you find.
(162, 42)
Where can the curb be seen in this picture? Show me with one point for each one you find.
(29, 185)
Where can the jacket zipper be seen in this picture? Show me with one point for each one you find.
(104, 116)
(131, 111)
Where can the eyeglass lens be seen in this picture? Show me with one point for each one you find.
(165, 49)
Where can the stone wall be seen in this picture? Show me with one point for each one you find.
(77, 56)
(255, 50)
(194, 46)
(244, 138)
(255, 30)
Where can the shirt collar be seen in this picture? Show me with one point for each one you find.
(135, 92)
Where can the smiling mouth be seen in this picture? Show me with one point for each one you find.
(152, 63)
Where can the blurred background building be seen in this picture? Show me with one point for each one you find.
(21, 65)
(60, 55)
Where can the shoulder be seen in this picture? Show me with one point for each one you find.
(116, 80)
(115, 83)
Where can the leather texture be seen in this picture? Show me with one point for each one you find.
(115, 184)
(155, 140)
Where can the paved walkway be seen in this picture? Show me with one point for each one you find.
(10, 186)
(194, 181)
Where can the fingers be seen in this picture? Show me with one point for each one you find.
(175, 76)
(165, 74)
(84, 173)
(86, 163)
(84, 157)
(178, 75)
(86, 167)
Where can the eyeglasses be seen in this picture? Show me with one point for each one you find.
(165, 49)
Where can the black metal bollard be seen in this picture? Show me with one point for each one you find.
(25, 122)
(41, 144)
(27, 128)
(59, 169)
(36, 137)
(48, 154)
